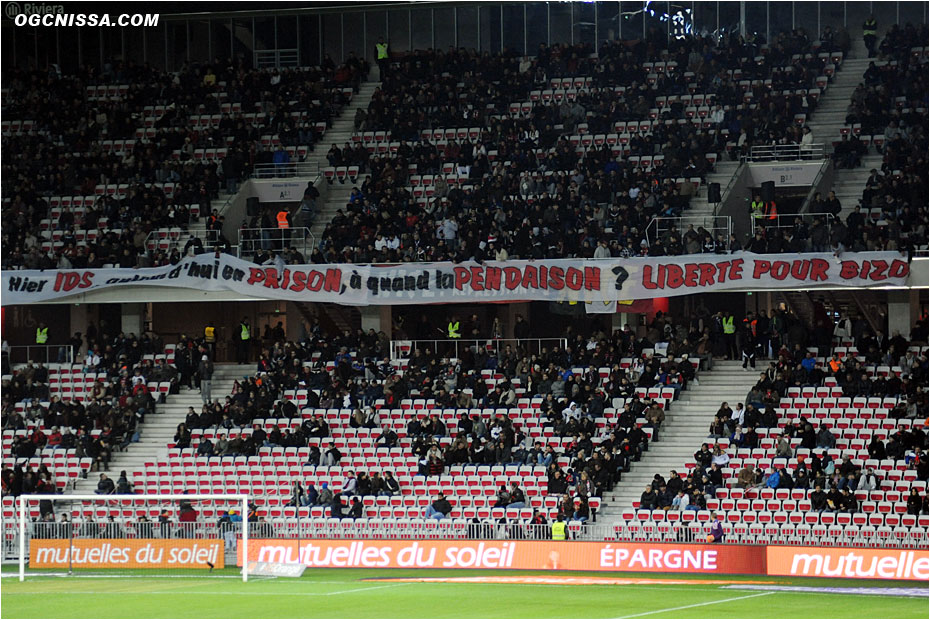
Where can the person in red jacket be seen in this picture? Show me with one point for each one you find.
(54, 439)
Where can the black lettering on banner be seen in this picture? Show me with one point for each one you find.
(622, 275)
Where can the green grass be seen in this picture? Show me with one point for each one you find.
(350, 593)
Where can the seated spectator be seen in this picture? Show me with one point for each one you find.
(123, 486)
(439, 509)
(105, 486)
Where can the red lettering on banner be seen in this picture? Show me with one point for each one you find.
(675, 275)
(819, 268)
(314, 281)
(849, 269)
(898, 269)
(512, 277)
(333, 280)
(255, 275)
(271, 277)
(461, 277)
(477, 279)
(68, 280)
(799, 269)
(707, 274)
(761, 268)
(574, 278)
(298, 281)
(736, 270)
(880, 267)
(285, 278)
(492, 279)
(592, 278)
(648, 283)
(780, 269)
(556, 278)
(529, 277)
(691, 274)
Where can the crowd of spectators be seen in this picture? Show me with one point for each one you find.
(109, 418)
(353, 371)
(159, 119)
(528, 190)
(890, 105)
(831, 485)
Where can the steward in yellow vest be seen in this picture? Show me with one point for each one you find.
(245, 341)
(728, 326)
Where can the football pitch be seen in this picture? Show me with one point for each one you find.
(398, 593)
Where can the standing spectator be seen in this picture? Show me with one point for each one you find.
(716, 529)
(205, 370)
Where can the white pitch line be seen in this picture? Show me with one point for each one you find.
(726, 600)
(200, 593)
(393, 585)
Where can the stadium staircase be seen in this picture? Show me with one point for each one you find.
(827, 123)
(159, 429)
(339, 134)
(684, 430)
(868, 303)
(699, 207)
(341, 318)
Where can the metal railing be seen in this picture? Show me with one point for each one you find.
(155, 241)
(730, 184)
(714, 224)
(786, 220)
(785, 152)
(275, 240)
(268, 59)
(453, 347)
(45, 353)
(290, 169)
(824, 178)
(487, 528)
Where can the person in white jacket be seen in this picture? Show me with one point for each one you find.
(807, 140)
(867, 481)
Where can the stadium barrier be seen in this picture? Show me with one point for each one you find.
(840, 562)
(122, 553)
(596, 556)
(523, 555)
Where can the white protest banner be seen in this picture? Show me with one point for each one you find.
(580, 280)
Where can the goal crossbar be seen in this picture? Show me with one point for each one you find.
(243, 500)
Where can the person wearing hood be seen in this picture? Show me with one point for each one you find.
(571, 412)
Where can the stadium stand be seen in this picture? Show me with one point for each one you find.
(879, 156)
(465, 156)
(141, 155)
(492, 412)
(64, 420)
(483, 167)
(833, 445)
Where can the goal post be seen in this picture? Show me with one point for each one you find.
(170, 534)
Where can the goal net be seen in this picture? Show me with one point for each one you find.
(132, 535)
